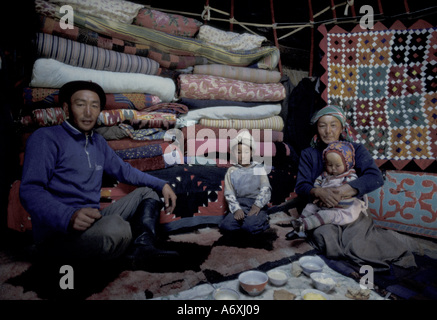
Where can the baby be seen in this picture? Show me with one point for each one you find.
(247, 189)
(339, 159)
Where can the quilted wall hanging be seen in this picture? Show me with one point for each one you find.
(386, 80)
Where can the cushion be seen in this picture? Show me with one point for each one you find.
(166, 22)
(407, 202)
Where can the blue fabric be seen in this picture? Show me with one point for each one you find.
(252, 224)
(311, 166)
(63, 171)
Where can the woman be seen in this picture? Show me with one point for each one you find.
(359, 241)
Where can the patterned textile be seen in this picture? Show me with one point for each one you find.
(154, 119)
(261, 135)
(264, 57)
(147, 151)
(44, 117)
(231, 41)
(86, 56)
(197, 86)
(169, 23)
(239, 73)
(39, 98)
(126, 143)
(275, 123)
(230, 112)
(115, 10)
(143, 134)
(84, 35)
(199, 147)
(386, 81)
(406, 203)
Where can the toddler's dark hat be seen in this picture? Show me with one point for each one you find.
(68, 89)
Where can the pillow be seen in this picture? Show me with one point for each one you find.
(407, 202)
(169, 23)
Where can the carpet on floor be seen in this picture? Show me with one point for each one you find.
(206, 256)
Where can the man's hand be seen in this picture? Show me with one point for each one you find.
(83, 218)
(239, 215)
(169, 198)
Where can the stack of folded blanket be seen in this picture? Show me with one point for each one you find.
(166, 77)
(223, 100)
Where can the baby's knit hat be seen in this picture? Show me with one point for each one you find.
(243, 137)
(346, 151)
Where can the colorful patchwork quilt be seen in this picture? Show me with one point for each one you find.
(386, 80)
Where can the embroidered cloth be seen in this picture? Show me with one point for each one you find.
(386, 81)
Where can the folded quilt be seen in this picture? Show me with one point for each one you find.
(86, 56)
(200, 147)
(275, 123)
(231, 41)
(148, 164)
(176, 108)
(194, 104)
(192, 132)
(144, 133)
(116, 10)
(198, 86)
(239, 73)
(41, 98)
(166, 60)
(154, 119)
(230, 112)
(44, 117)
(166, 22)
(264, 57)
(49, 73)
(146, 151)
(128, 143)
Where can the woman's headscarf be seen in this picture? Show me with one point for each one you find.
(337, 112)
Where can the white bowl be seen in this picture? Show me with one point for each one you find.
(253, 282)
(322, 281)
(225, 294)
(312, 294)
(277, 277)
(311, 264)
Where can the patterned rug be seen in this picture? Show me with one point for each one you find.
(206, 257)
(386, 80)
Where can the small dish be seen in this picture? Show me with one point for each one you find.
(322, 281)
(313, 294)
(277, 277)
(311, 264)
(253, 282)
(225, 294)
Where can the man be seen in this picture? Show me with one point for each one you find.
(61, 183)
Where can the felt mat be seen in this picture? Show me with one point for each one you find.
(206, 256)
(416, 283)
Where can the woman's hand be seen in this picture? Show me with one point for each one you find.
(330, 197)
(326, 197)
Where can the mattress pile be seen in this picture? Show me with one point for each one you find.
(168, 80)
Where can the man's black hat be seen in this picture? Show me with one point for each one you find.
(68, 89)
